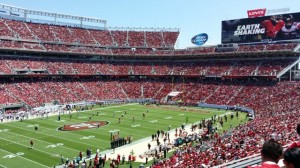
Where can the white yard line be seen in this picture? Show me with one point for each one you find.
(27, 146)
(41, 141)
(25, 159)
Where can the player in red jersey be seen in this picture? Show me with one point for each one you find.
(272, 26)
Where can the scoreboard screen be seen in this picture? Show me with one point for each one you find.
(262, 29)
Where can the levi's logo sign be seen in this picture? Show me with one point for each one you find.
(256, 13)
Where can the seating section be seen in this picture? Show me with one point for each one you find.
(6, 97)
(20, 30)
(264, 67)
(154, 39)
(102, 38)
(244, 141)
(169, 38)
(5, 30)
(77, 45)
(267, 47)
(136, 39)
(55, 38)
(271, 101)
(43, 32)
(271, 67)
(210, 92)
(36, 32)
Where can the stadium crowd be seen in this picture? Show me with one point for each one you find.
(31, 36)
(272, 101)
(263, 67)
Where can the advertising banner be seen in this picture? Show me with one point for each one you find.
(256, 13)
(262, 29)
(199, 39)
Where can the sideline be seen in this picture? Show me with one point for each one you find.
(31, 117)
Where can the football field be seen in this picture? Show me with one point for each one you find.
(80, 131)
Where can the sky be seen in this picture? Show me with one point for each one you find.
(192, 17)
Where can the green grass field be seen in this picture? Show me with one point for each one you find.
(49, 143)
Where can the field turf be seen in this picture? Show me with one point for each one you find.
(50, 143)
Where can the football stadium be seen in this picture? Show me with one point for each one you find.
(81, 94)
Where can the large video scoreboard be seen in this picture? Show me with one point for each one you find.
(262, 29)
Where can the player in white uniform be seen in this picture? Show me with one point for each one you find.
(291, 29)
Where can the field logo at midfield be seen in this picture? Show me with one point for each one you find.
(83, 126)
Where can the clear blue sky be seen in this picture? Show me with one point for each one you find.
(191, 16)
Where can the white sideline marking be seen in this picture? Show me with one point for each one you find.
(168, 118)
(181, 114)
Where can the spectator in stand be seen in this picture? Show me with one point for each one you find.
(297, 143)
(292, 158)
(270, 154)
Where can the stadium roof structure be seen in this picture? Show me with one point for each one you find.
(18, 12)
(28, 15)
